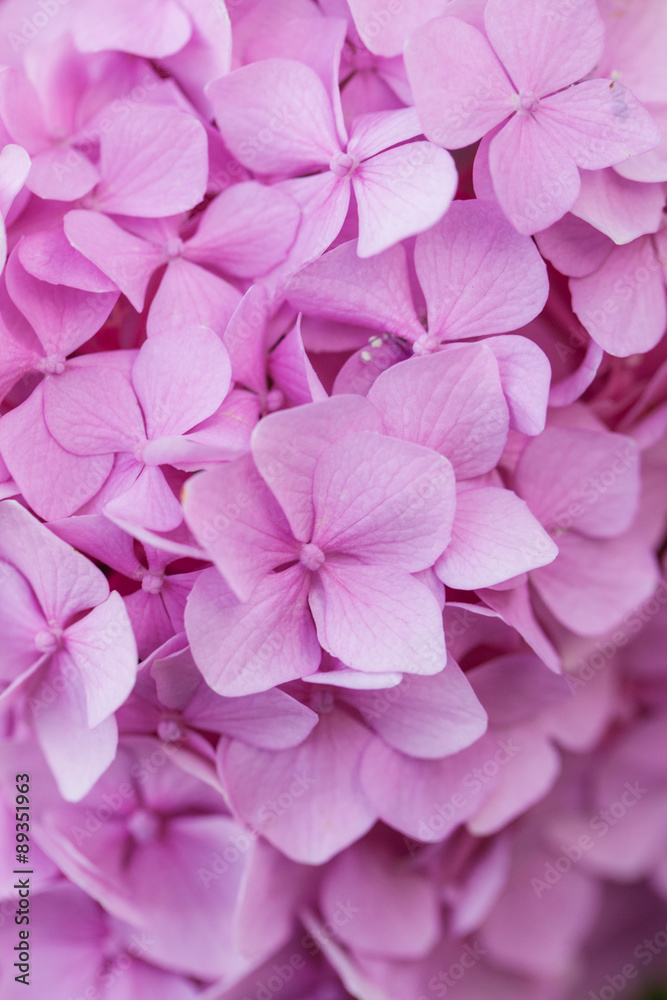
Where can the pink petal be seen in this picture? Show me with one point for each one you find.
(451, 402)
(14, 168)
(622, 305)
(63, 318)
(126, 259)
(21, 617)
(180, 377)
(598, 124)
(291, 370)
(246, 230)
(49, 256)
(544, 46)
(525, 374)
(76, 754)
(191, 294)
(574, 247)
(151, 28)
(234, 515)
(377, 619)
(373, 133)
(595, 582)
(371, 291)
(153, 164)
(245, 648)
(461, 90)
(535, 179)
(275, 116)
(623, 210)
(61, 174)
(426, 717)
(401, 192)
(52, 480)
(328, 809)
(384, 30)
(494, 538)
(474, 249)
(286, 446)
(514, 607)
(587, 480)
(149, 502)
(385, 501)
(271, 720)
(93, 411)
(103, 649)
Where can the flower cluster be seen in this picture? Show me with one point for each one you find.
(333, 455)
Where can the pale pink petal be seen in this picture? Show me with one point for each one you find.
(494, 538)
(49, 256)
(464, 265)
(587, 480)
(452, 402)
(598, 124)
(515, 608)
(292, 372)
(574, 247)
(623, 210)
(384, 29)
(246, 230)
(104, 653)
(384, 501)
(425, 717)
(371, 291)
(535, 179)
(271, 719)
(21, 618)
(245, 648)
(275, 116)
(151, 28)
(461, 90)
(234, 515)
(327, 807)
(595, 582)
(149, 501)
(188, 294)
(373, 133)
(153, 163)
(61, 174)
(287, 445)
(525, 374)
(14, 168)
(622, 305)
(377, 619)
(52, 480)
(181, 377)
(63, 318)
(126, 259)
(400, 192)
(93, 411)
(545, 46)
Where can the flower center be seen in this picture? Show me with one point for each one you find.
(143, 825)
(311, 556)
(426, 344)
(173, 247)
(152, 582)
(526, 101)
(342, 164)
(274, 400)
(53, 365)
(169, 730)
(48, 642)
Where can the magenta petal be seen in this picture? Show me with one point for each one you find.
(287, 445)
(245, 540)
(377, 618)
(474, 249)
(153, 164)
(385, 501)
(246, 648)
(452, 402)
(328, 809)
(494, 538)
(181, 377)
